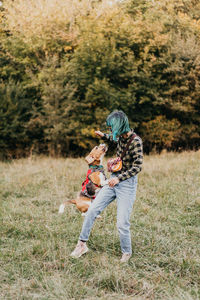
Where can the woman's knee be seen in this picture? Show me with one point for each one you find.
(93, 211)
(123, 226)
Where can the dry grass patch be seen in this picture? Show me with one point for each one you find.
(36, 241)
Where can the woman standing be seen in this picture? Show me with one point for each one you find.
(122, 185)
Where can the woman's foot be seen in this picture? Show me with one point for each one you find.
(125, 257)
(81, 248)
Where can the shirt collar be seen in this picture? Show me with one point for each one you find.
(96, 167)
(128, 138)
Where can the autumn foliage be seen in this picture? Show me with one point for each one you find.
(66, 64)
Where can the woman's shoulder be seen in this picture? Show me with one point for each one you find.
(136, 142)
(137, 137)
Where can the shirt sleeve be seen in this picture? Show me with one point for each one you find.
(109, 140)
(136, 152)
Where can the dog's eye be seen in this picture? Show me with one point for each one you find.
(96, 147)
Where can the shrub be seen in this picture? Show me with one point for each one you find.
(69, 63)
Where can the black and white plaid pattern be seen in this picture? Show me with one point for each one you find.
(133, 158)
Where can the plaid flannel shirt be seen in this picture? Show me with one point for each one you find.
(133, 158)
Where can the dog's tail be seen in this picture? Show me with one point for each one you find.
(62, 206)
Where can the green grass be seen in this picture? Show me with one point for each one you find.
(36, 241)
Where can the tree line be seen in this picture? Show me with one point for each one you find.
(65, 65)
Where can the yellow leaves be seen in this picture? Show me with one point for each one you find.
(161, 131)
(42, 18)
(67, 48)
(83, 145)
(86, 131)
(186, 21)
(46, 19)
(183, 15)
(92, 133)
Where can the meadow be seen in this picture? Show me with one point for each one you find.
(35, 241)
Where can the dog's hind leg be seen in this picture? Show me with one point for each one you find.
(62, 206)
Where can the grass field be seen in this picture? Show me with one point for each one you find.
(36, 241)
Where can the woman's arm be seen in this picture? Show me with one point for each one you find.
(106, 137)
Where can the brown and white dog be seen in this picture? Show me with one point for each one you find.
(95, 179)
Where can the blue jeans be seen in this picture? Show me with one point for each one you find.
(125, 193)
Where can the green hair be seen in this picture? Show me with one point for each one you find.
(118, 121)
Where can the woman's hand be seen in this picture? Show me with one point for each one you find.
(113, 181)
(99, 133)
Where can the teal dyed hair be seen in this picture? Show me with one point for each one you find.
(118, 121)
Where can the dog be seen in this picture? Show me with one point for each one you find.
(95, 179)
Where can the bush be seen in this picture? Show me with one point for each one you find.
(71, 63)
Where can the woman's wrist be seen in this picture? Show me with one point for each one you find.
(99, 133)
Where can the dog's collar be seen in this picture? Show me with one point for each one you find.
(96, 167)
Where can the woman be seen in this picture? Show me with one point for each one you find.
(122, 186)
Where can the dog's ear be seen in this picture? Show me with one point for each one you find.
(90, 187)
(95, 178)
(89, 159)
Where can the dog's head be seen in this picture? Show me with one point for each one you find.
(96, 155)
